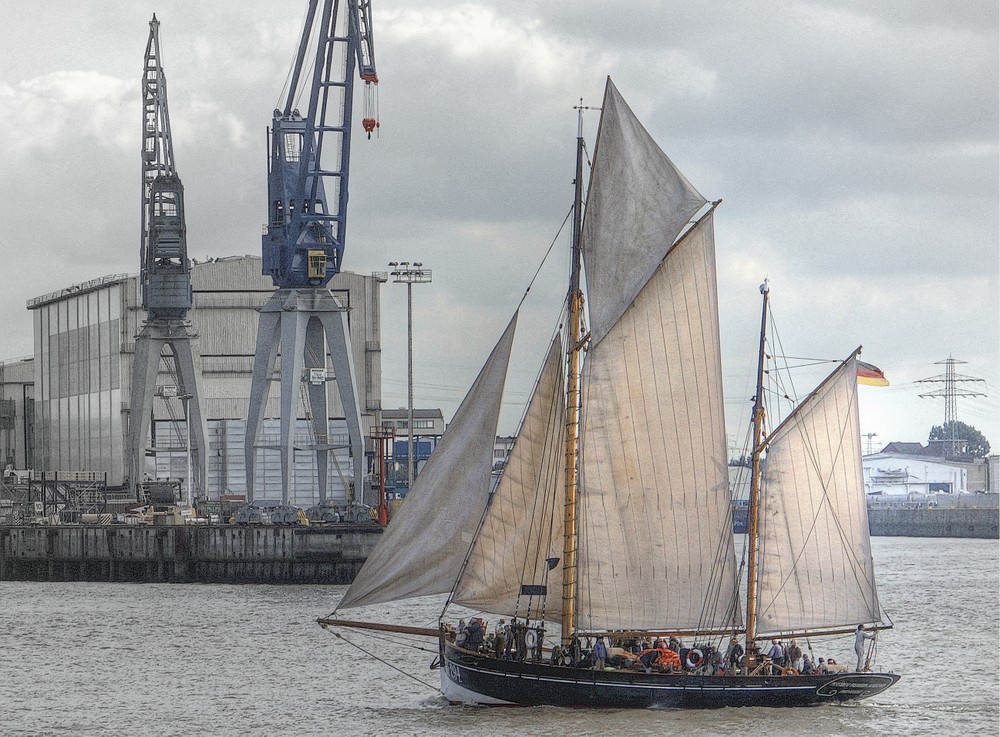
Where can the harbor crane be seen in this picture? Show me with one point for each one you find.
(165, 285)
(303, 242)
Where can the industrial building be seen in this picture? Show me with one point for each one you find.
(428, 427)
(902, 469)
(66, 408)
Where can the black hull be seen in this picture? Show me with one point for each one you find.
(468, 677)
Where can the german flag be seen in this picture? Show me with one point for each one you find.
(871, 375)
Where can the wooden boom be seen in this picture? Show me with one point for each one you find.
(380, 627)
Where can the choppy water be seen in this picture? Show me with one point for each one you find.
(78, 658)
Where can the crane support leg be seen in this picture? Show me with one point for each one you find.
(148, 349)
(294, 322)
(293, 339)
(264, 359)
(338, 338)
(316, 359)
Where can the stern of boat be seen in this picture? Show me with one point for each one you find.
(852, 686)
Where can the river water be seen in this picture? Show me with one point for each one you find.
(89, 658)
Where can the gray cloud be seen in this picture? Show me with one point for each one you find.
(854, 145)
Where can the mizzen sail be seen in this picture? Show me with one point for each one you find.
(815, 561)
(523, 525)
(637, 204)
(422, 550)
(655, 538)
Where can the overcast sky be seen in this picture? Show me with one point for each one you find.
(854, 145)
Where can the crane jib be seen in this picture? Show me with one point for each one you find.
(308, 172)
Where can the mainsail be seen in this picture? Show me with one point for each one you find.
(523, 525)
(637, 204)
(815, 561)
(656, 545)
(422, 551)
(655, 538)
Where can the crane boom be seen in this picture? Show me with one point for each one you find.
(303, 243)
(164, 277)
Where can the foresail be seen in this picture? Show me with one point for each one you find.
(655, 539)
(815, 564)
(523, 525)
(637, 204)
(422, 549)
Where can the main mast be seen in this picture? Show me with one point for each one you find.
(575, 304)
(758, 449)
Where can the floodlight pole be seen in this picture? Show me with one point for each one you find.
(405, 273)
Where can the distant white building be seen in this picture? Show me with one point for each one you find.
(502, 447)
(902, 469)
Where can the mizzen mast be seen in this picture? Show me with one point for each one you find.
(758, 449)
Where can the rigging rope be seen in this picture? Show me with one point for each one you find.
(385, 662)
(545, 257)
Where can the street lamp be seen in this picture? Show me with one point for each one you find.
(405, 273)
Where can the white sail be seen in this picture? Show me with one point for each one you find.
(815, 566)
(523, 525)
(422, 550)
(655, 538)
(637, 204)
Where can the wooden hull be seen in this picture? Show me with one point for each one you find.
(475, 678)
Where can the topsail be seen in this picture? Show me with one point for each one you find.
(637, 204)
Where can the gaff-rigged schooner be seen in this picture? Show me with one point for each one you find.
(612, 522)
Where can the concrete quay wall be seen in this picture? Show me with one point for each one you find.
(186, 554)
(934, 522)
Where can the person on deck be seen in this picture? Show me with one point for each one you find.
(539, 640)
(474, 637)
(859, 645)
(575, 651)
(832, 666)
(734, 655)
(794, 655)
(500, 639)
(520, 643)
(510, 645)
(776, 655)
(599, 654)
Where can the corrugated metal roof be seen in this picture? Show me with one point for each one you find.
(76, 290)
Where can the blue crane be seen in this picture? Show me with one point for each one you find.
(303, 243)
(165, 284)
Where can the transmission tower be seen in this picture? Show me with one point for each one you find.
(951, 391)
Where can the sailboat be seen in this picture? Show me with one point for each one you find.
(612, 522)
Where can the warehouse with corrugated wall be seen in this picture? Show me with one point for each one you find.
(84, 338)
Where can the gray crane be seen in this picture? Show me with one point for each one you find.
(165, 284)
